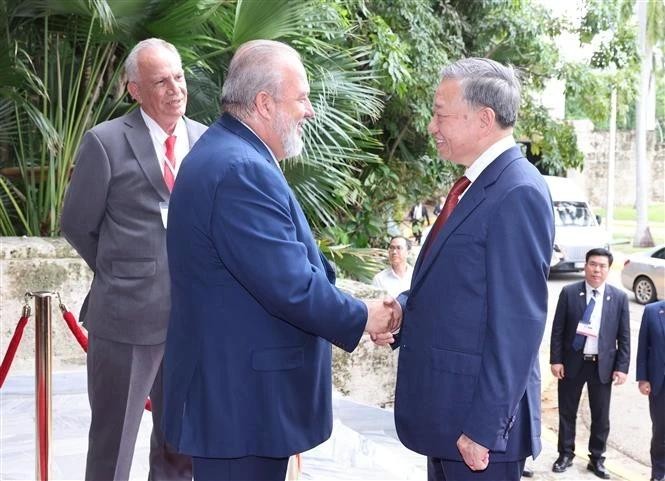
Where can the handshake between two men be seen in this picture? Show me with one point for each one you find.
(384, 318)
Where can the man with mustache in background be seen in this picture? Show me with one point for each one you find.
(112, 216)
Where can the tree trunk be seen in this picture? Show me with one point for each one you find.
(642, 236)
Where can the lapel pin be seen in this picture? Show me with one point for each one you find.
(607, 298)
(581, 293)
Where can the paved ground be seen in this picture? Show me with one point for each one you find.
(364, 444)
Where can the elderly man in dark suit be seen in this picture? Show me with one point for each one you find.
(247, 367)
(651, 380)
(113, 216)
(590, 344)
(466, 396)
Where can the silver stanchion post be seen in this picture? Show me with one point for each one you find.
(43, 384)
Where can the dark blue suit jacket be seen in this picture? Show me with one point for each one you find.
(651, 347)
(474, 319)
(247, 367)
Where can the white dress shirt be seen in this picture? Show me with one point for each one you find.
(591, 344)
(159, 137)
(390, 282)
(486, 158)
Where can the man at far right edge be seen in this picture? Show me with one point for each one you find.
(590, 344)
(650, 367)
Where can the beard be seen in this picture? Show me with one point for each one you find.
(287, 129)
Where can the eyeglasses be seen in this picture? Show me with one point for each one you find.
(395, 248)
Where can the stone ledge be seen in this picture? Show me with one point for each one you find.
(50, 264)
(16, 248)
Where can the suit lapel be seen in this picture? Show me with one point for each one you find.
(608, 306)
(581, 301)
(138, 137)
(472, 198)
(190, 133)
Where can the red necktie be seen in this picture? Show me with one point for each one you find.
(169, 178)
(451, 201)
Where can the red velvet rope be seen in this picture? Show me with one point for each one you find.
(13, 346)
(76, 329)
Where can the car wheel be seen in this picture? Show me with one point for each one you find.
(645, 291)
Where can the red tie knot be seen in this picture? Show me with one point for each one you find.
(459, 187)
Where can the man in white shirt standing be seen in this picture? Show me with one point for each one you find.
(396, 278)
(590, 344)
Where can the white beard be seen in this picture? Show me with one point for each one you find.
(287, 130)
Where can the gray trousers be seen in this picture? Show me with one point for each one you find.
(120, 377)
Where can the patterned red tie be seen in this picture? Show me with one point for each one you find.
(169, 178)
(451, 201)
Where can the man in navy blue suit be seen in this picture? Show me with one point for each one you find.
(468, 381)
(650, 364)
(247, 368)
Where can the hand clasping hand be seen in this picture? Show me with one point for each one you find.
(383, 318)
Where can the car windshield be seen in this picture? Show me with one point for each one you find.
(569, 213)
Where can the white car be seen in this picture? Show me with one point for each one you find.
(577, 230)
(644, 274)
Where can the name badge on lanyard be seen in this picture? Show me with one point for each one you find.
(164, 211)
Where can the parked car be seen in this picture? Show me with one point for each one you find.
(644, 274)
(577, 229)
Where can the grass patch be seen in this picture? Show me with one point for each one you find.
(656, 213)
(623, 226)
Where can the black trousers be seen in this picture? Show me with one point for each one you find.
(657, 411)
(248, 468)
(569, 393)
(444, 470)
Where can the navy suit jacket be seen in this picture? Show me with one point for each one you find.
(474, 319)
(613, 337)
(247, 367)
(651, 347)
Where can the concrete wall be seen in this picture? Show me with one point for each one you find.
(41, 264)
(37, 264)
(593, 177)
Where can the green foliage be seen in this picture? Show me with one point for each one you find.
(373, 67)
(609, 26)
(70, 81)
(588, 95)
(57, 91)
(411, 42)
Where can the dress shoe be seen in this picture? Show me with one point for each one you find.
(562, 463)
(598, 468)
(527, 473)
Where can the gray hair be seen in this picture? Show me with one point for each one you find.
(254, 69)
(132, 61)
(486, 83)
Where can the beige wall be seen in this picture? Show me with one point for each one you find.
(593, 177)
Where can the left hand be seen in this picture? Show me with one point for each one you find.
(475, 456)
(618, 377)
(644, 387)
